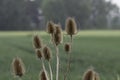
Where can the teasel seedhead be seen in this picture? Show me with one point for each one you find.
(96, 76)
(18, 67)
(71, 26)
(47, 53)
(50, 27)
(39, 53)
(89, 75)
(58, 36)
(67, 47)
(37, 42)
(43, 75)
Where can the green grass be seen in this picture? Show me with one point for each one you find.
(100, 49)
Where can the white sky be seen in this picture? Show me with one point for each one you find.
(115, 2)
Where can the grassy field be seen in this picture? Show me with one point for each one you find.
(100, 49)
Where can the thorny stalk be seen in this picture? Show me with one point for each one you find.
(69, 59)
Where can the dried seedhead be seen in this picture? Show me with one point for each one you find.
(50, 27)
(71, 27)
(37, 42)
(18, 67)
(89, 75)
(43, 75)
(58, 36)
(67, 47)
(39, 53)
(47, 53)
(96, 76)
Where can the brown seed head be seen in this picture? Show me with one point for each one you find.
(50, 27)
(39, 53)
(96, 76)
(88, 75)
(57, 36)
(18, 67)
(37, 42)
(43, 75)
(67, 47)
(47, 53)
(71, 27)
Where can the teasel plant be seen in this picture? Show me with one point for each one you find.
(47, 55)
(67, 48)
(18, 68)
(43, 75)
(57, 38)
(90, 74)
(71, 29)
(51, 29)
(38, 44)
(43, 52)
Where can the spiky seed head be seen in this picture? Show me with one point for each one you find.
(67, 47)
(18, 67)
(96, 76)
(89, 75)
(37, 42)
(58, 28)
(58, 36)
(39, 53)
(47, 53)
(43, 75)
(50, 27)
(71, 27)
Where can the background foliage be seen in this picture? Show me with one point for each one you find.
(89, 14)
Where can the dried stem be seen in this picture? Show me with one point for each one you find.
(57, 65)
(43, 66)
(69, 58)
(51, 73)
(57, 56)
(68, 67)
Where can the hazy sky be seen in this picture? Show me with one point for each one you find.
(116, 2)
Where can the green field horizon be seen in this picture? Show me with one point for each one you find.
(97, 48)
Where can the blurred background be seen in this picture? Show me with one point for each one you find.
(33, 14)
(97, 44)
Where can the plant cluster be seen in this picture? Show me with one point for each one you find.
(44, 52)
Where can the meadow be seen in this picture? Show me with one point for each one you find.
(99, 49)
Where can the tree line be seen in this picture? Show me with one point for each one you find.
(33, 14)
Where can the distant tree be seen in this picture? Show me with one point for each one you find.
(116, 23)
(12, 15)
(16, 14)
(59, 10)
(100, 10)
(88, 13)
